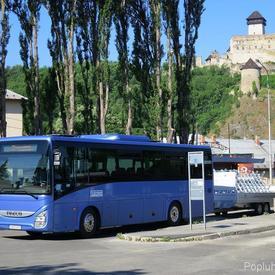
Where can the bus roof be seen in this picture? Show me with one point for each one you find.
(109, 138)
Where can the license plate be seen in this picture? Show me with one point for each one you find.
(15, 227)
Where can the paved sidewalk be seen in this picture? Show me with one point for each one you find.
(214, 229)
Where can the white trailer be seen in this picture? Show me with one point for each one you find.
(234, 190)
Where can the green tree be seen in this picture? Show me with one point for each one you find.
(4, 39)
(155, 7)
(28, 13)
(170, 16)
(121, 20)
(103, 69)
(61, 46)
(193, 10)
(88, 53)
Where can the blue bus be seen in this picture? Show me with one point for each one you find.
(82, 183)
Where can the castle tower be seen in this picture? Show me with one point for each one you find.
(256, 24)
(250, 73)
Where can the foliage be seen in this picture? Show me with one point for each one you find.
(271, 81)
(213, 94)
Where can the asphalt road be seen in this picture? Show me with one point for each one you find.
(67, 254)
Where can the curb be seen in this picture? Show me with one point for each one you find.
(210, 236)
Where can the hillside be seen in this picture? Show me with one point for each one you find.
(249, 118)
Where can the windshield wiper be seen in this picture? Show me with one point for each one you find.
(27, 193)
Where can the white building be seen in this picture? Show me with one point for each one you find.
(14, 113)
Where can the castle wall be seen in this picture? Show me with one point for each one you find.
(260, 47)
(248, 76)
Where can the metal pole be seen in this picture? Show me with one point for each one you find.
(204, 203)
(269, 130)
(269, 122)
(189, 189)
(228, 128)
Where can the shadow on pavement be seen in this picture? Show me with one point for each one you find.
(103, 233)
(112, 232)
(69, 268)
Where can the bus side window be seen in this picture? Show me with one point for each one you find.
(129, 166)
(99, 163)
(80, 166)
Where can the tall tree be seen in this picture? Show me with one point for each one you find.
(28, 13)
(4, 38)
(193, 10)
(103, 69)
(157, 54)
(61, 45)
(87, 52)
(141, 65)
(170, 15)
(121, 20)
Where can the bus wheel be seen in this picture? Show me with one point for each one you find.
(34, 233)
(174, 214)
(217, 214)
(259, 209)
(89, 222)
(266, 208)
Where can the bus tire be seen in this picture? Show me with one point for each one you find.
(259, 209)
(266, 208)
(174, 214)
(89, 223)
(34, 234)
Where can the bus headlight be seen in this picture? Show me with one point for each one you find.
(41, 220)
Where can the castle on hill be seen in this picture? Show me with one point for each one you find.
(246, 53)
(256, 45)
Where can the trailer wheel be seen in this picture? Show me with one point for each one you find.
(266, 208)
(259, 209)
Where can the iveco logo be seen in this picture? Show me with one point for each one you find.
(14, 214)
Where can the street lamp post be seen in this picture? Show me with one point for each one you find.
(269, 122)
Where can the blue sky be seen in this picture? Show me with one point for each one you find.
(221, 20)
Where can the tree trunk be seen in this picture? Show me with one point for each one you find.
(129, 125)
(71, 115)
(170, 89)
(4, 37)
(156, 10)
(37, 113)
(102, 108)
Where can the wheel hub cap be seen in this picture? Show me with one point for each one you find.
(174, 214)
(89, 222)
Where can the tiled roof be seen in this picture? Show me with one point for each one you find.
(12, 95)
(250, 64)
(256, 18)
(255, 15)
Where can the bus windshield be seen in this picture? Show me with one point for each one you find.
(24, 168)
